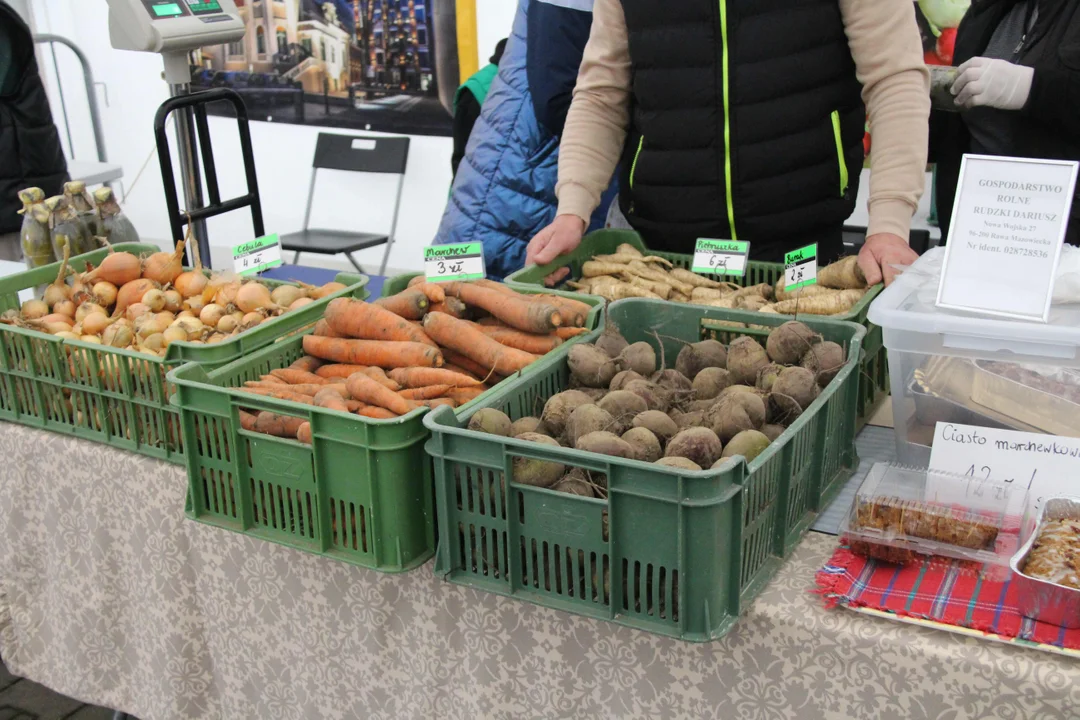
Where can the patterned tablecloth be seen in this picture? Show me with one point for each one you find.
(109, 595)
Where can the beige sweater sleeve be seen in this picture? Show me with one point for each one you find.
(599, 114)
(885, 43)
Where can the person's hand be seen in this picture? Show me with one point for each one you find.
(982, 82)
(560, 237)
(880, 252)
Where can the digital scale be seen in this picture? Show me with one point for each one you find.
(173, 28)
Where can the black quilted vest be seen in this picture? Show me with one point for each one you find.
(746, 122)
(30, 150)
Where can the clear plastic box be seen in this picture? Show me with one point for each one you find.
(947, 366)
(900, 513)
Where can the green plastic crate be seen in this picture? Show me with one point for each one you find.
(108, 395)
(361, 492)
(874, 374)
(683, 553)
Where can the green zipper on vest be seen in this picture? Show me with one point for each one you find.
(727, 122)
(633, 165)
(840, 152)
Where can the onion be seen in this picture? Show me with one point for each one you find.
(104, 293)
(224, 293)
(65, 307)
(95, 323)
(51, 327)
(150, 324)
(286, 295)
(191, 283)
(173, 301)
(132, 293)
(118, 268)
(68, 335)
(227, 324)
(164, 267)
(77, 328)
(86, 309)
(136, 311)
(34, 309)
(154, 299)
(166, 317)
(215, 338)
(175, 334)
(192, 326)
(117, 335)
(251, 320)
(58, 291)
(300, 302)
(328, 289)
(195, 304)
(184, 314)
(211, 315)
(253, 296)
(154, 342)
(91, 339)
(58, 318)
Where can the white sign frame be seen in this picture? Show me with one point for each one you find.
(965, 164)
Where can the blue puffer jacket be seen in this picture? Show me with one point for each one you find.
(504, 192)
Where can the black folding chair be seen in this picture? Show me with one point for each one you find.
(359, 154)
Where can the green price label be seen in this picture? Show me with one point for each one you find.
(720, 257)
(463, 261)
(800, 268)
(260, 254)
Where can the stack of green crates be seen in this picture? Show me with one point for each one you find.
(115, 396)
(874, 373)
(361, 492)
(669, 551)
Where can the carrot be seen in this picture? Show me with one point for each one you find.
(331, 399)
(410, 304)
(378, 413)
(425, 377)
(247, 420)
(303, 433)
(474, 368)
(339, 370)
(284, 426)
(425, 393)
(574, 312)
(497, 286)
(322, 328)
(567, 333)
(302, 389)
(434, 293)
(463, 337)
(514, 310)
(464, 395)
(366, 390)
(460, 370)
(388, 354)
(358, 319)
(451, 306)
(536, 344)
(436, 402)
(279, 395)
(308, 363)
(271, 380)
(297, 377)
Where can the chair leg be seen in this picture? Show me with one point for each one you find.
(385, 259)
(354, 263)
(296, 258)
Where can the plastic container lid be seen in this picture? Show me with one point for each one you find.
(899, 512)
(908, 306)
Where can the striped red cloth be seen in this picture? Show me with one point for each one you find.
(939, 589)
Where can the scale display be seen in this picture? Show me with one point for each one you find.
(161, 9)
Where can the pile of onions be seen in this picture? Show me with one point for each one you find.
(145, 305)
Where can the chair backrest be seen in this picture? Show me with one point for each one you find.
(358, 153)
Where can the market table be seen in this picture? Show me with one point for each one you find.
(108, 594)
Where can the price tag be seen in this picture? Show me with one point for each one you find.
(1047, 465)
(463, 261)
(800, 268)
(1009, 222)
(260, 254)
(720, 257)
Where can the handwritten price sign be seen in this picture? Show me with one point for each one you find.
(463, 261)
(800, 268)
(720, 257)
(260, 254)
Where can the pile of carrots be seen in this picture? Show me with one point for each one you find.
(430, 345)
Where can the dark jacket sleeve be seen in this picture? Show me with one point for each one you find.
(468, 112)
(1055, 95)
(556, 40)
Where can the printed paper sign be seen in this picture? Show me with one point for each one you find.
(720, 257)
(463, 261)
(1008, 226)
(800, 268)
(258, 255)
(1046, 464)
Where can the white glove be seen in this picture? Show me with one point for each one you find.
(982, 82)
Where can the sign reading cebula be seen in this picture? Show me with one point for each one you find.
(463, 261)
(260, 254)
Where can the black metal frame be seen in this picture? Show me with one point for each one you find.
(195, 104)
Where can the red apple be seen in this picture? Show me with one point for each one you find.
(946, 44)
